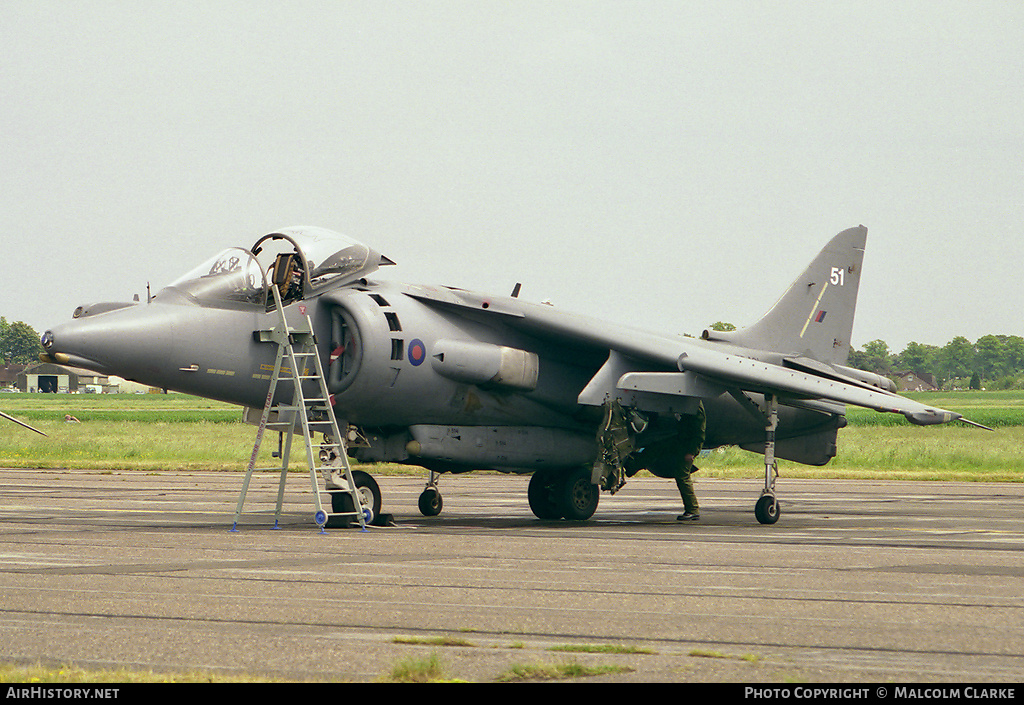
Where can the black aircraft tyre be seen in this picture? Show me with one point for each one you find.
(430, 502)
(579, 496)
(767, 509)
(341, 502)
(541, 494)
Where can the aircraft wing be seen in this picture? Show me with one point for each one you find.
(756, 376)
(676, 366)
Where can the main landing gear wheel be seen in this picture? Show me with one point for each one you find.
(430, 502)
(554, 495)
(579, 496)
(369, 491)
(767, 509)
(541, 494)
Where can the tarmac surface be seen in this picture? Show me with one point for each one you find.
(860, 581)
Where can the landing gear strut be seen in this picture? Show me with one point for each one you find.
(767, 508)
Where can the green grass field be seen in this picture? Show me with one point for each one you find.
(992, 409)
(166, 432)
(145, 408)
(126, 431)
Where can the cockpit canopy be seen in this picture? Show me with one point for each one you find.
(300, 262)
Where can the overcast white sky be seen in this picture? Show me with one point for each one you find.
(663, 164)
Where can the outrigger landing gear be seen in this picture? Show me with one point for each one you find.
(767, 508)
(430, 501)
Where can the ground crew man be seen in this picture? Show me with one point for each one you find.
(664, 450)
(690, 437)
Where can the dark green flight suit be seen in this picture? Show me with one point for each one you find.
(672, 457)
(690, 435)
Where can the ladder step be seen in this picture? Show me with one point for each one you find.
(291, 365)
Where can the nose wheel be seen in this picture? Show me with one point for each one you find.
(369, 497)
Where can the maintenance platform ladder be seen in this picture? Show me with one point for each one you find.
(297, 361)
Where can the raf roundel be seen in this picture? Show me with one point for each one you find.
(417, 352)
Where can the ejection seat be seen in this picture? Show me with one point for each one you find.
(287, 276)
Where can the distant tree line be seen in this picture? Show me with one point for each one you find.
(19, 343)
(991, 362)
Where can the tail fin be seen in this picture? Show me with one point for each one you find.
(814, 318)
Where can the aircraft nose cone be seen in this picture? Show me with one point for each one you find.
(122, 341)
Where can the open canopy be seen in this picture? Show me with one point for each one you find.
(301, 261)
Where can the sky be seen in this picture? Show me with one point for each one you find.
(658, 164)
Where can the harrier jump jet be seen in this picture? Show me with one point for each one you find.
(454, 381)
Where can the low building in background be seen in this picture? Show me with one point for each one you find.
(51, 378)
(914, 382)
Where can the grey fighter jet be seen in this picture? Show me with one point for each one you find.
(454, 381)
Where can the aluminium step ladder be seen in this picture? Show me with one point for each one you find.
(297, 361)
